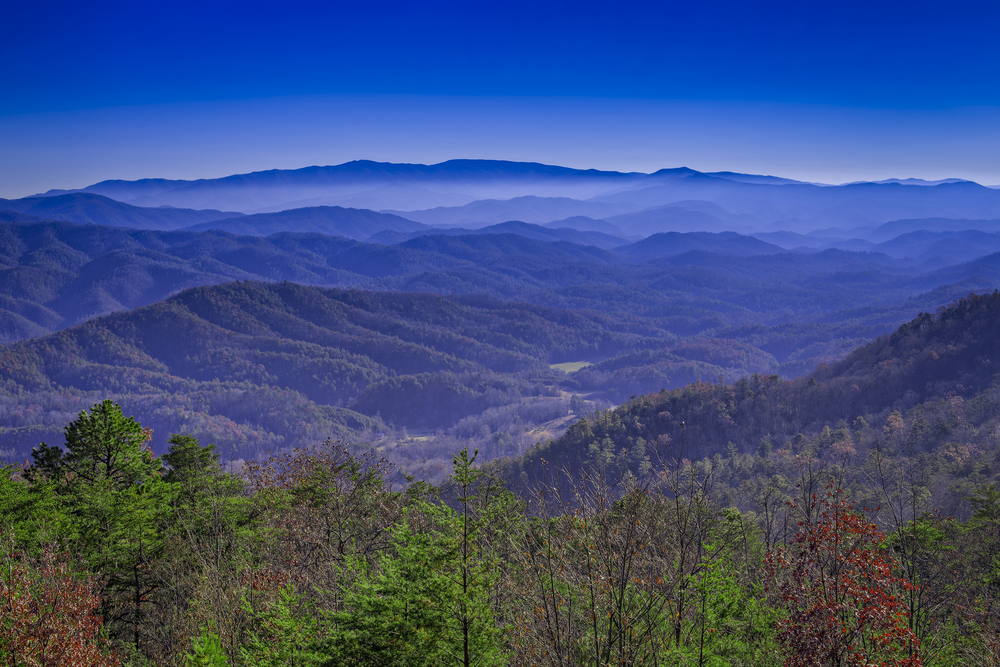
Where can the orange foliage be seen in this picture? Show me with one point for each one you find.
(48, 614)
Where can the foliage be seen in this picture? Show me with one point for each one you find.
(428, 601)
(288, 634)
(206, 651)
(50, 612)
(102, 446)
(845, 603)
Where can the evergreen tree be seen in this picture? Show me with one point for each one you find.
(189, 460)
(206, 651)
(426, 603)
(288, 634)
(101, 445)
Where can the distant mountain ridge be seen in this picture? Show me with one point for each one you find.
(358, 224)
(95, 209)
(529, 208)
(473, 193)
(668, 244)
(277, 187)
(527, 230)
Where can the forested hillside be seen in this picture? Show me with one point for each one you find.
(802, 309)
(94, 209)
(353, 223)
(926, 397)
(253, 366)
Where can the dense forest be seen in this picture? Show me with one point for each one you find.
(927, 396)
(113, 556)
(254, 367)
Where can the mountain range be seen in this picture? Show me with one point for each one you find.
(87, 208)
(473, 193)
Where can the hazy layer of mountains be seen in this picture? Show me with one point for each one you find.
(472, 193)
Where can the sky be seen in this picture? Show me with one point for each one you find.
(819, 91)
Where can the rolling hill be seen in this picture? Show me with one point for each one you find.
(352, 223)
(923, 402)
(668, 244)
(546, 233)
(528, 209)
(256, 366)
(94, 209)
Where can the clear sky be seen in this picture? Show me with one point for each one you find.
(825, 91)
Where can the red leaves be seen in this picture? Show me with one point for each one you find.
(840, 591)
(48, 614)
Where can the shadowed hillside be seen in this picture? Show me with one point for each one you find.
(94, 209)
(253, 366)
(353, 223)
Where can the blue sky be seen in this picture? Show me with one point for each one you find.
(832, 91)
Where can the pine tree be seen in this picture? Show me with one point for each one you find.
(206, 651)
(102, 445)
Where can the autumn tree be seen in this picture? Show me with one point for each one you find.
(838, 584)
(49, 612)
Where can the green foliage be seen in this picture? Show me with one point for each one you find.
(101, 446)
(397, 613)
(206, 651)
(735, 626)
(288, 634)
(428, 602)
(189, 460)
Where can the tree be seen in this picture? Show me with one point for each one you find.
(841, 593)
(206, 651)
(188, 460)
(49, 613)
(101, 445)
(396, 613)
(479, 634)
(427, 600)
(288, 634)
(108, 483)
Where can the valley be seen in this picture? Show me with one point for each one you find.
(487, 331)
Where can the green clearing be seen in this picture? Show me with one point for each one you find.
(570, 366)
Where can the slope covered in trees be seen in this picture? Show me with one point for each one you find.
(927, 396)
(94, 209)
(256, 366)
(57, 274)
(113, 556)
(358, 224)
